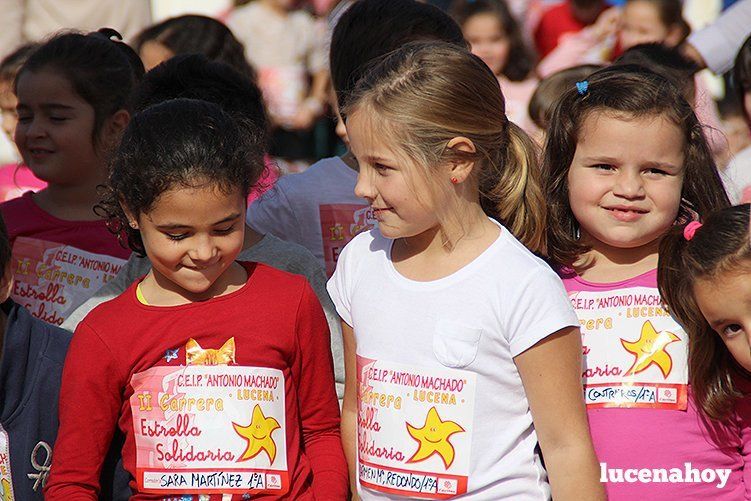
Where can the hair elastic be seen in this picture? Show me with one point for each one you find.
(690, 230)
(582, 87)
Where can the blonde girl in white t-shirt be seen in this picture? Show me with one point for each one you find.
(461, 349)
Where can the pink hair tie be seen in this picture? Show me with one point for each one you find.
(690, 230)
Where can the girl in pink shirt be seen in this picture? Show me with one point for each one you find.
(74, 98)
(625, 160)
(14, 179)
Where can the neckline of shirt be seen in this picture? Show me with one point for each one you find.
(454, 277)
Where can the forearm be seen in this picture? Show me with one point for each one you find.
(324, 451)
(349, 441)
(319, 415)
(719, 42)
(574, 473)
(90, 401)
(320, 85)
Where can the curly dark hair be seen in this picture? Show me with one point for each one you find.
(180, 142)
(101, 69)
(630, 91)
(521, 60)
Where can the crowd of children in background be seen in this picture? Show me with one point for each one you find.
(522, 271)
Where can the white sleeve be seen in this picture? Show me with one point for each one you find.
(272, 213)
(340, 284)
(539, 309)
(719, 42)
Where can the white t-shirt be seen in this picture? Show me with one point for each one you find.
(441, 404)
(316, 208)
(737, 177)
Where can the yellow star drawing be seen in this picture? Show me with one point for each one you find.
(650, 349)
(7, 494)
(433, 438)
(258, 435)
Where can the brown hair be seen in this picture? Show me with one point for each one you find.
(722, 244)
(425, 94)
(12, 63)
(624, 91)
(521, 60)
(549, 90)
(671, 14)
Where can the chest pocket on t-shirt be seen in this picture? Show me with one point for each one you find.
(455, 345)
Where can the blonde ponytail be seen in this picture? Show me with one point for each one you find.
(515, 195)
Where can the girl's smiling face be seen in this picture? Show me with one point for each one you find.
(401, 199)
(625, 179)
(55, 129)
(191, 236)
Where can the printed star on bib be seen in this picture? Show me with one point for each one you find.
(433, 438)
(258, 435)
(650, 349)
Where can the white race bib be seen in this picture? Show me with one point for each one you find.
(210, 429)
(414, 428)
(635, 353)
(6, 481)
(51, 280)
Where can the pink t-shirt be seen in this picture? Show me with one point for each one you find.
(635, 376)
(57, 264)
(24, 218)
(15, 180)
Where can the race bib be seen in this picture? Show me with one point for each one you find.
(51, 280)
(210, 430)
(414, 429)
(635, 354)
(340, 223)
(6, 481)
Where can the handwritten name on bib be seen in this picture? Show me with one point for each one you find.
(635, 354)
(414, 428)
(52, 280)
(210, 429)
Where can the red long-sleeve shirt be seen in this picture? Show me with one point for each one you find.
(231, 395)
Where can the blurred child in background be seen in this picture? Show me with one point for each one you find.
(15, 179)
(738, 171)
(494, 35)
(287, 48)
(74, 99)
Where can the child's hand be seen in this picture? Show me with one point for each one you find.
(303, 119)
(607, 24)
